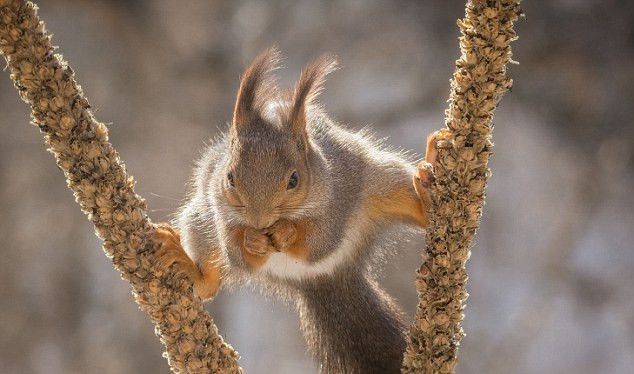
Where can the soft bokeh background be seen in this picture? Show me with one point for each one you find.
(552, 266)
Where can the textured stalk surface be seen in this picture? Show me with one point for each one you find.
(105, 192)
(459, 190)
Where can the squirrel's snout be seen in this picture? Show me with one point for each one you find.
(261, 220)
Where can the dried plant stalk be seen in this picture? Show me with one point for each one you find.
(459, 190)
(105, 192)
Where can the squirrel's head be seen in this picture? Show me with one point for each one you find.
(272, 163)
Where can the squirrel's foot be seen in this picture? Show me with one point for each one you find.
(435, 140)
(423, 178)
(170, 252)
(424, 175)
(283, 234)
(257, 242)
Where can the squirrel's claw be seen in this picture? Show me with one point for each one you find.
(424, 174)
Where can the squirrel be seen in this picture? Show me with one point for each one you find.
(290, 200)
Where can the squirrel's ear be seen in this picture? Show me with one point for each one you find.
(307, 88)
(257, 87)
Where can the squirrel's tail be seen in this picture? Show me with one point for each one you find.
(352, 325)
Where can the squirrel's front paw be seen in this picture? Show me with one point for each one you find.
(437, 139)
(424, 175)
(171, 252)
(257, 242)
(283, 234)
(423, 178)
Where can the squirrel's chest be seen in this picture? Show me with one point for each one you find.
(285, 266)
(295, 264)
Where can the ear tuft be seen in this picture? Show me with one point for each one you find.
(308, 88)
(257, 87)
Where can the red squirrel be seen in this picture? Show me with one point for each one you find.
(290, 200)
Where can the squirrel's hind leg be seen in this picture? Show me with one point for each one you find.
(206, 278)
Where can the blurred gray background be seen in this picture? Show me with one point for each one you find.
(552, 267)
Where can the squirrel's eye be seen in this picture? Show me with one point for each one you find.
(230, 179)
(293, 180)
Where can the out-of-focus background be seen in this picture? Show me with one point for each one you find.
(552, 268)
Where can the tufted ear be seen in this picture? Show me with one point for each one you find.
(307, 89)
(257, 87)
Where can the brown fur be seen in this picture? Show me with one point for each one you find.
(405, 203)
(298, 248)
(307, 89)
(399, 204)
(257, 87)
